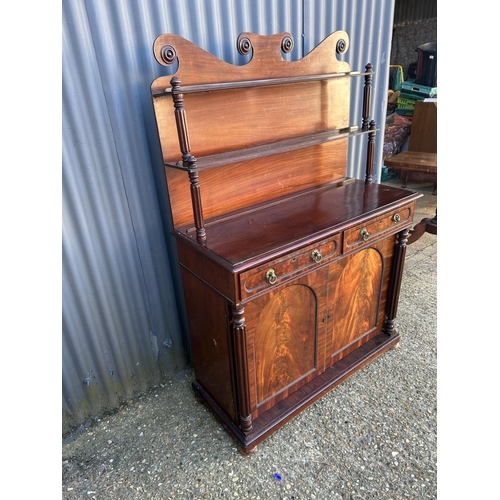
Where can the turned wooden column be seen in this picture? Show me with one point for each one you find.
(367, 96)
(367, 125)
(398, 260)
(201, 236)
(370, 154)
(240, 348)
(188, 160)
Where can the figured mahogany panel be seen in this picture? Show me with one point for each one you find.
(285, 339)
(355, 299)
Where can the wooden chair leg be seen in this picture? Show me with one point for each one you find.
(405, 180)
(428, 225)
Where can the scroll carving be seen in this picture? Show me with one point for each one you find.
(244, 45)
(168, 54)
(287, 44)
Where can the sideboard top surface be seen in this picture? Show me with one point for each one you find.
(293, 222)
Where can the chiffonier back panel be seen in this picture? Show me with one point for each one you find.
(258, 181)
(229, 119)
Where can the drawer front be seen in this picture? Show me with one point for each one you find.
(292, 265)
(372, 229)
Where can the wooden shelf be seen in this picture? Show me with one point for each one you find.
(210, 87)
(238, 239)
(262, 150)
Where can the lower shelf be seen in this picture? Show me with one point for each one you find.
(270, 421)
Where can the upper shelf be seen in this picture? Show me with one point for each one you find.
(196, 67)
(284, 125)
(262, 150)
(208, 87)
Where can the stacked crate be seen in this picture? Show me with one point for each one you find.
(410, 93)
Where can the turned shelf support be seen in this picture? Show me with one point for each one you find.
(370, 154)
(368, 125)
(367, 96)
(188, 160)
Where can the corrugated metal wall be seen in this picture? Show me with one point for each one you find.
(123, 313)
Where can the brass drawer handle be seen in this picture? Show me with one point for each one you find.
(364, 234)
(396, 218)
(271, 277)
(316, 256)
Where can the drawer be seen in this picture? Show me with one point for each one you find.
(288, 267)
(374, 228)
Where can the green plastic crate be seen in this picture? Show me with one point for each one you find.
(404, 103)
(411, 89)
(404, 112)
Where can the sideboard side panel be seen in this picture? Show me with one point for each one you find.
(211, 348)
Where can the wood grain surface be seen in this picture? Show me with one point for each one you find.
(355, 298)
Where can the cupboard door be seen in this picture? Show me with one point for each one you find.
(357, 293)
(285, 339)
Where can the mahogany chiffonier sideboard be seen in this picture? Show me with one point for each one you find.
(291, 270)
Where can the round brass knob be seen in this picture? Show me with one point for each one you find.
(271, 277)
(316, 256)
(396, 218)
(364, 234)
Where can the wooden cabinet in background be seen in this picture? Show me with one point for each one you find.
(291, 270)
(423, 132)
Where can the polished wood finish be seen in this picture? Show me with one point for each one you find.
(426, 225)
(417, 162)
(211, 346)
(413, 160)
(291, 270)
(423, 132)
